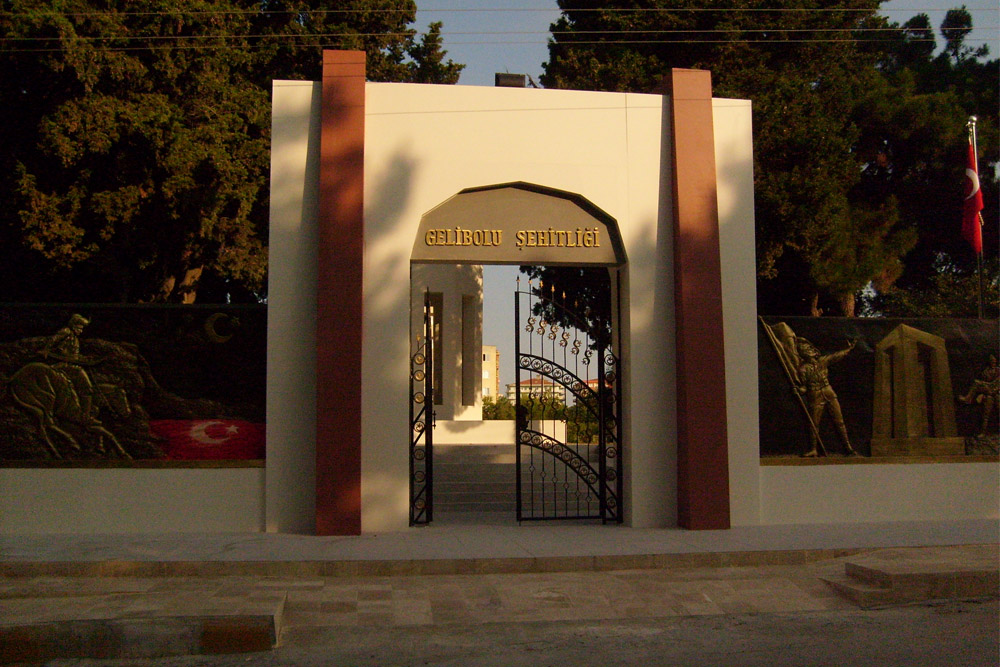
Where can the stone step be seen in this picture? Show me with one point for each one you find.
(483, 479)
(509, 506)
(130, 627)
(864, 595)
(450, 486)
(475, 496)
(474, 454)
(886, 577)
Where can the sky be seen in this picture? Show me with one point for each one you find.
(491, 36)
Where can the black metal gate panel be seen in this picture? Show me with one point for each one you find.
(568, 428)
(422, 422)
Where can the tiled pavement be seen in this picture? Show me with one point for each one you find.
(144, 617)
(475, 599)
(238, 593)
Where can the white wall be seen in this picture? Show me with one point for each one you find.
(878, 492)
(424, 144)
(453, 282)
(130, 500)
(490, 432)
(291, 308)
(734, 166)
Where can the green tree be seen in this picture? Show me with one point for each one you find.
(573, 297)
(915, 142)
(951, 292)
(827, 226)
(135, 159)
(581, 423)
(497, 408)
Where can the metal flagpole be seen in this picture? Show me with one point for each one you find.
(979, 255)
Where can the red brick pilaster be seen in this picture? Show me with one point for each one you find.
(339, 299)
(702, 443)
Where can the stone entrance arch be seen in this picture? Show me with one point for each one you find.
(513, 223)
(518, 223)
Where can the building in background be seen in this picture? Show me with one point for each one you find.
(491, 371)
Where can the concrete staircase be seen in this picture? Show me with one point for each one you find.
(475, 484)
(893, 576)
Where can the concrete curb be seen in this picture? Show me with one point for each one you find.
(141, 637)
(417, 567)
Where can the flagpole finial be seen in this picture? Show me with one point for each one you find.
(972, 122)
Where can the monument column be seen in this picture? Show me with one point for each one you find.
(339, 304)
(702, 440)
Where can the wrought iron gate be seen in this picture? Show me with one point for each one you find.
(422, 422)
(569, 458)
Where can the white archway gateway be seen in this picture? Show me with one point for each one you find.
(666, 169)
(566, 461)
(355, 166)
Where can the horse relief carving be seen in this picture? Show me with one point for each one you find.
(60, 397)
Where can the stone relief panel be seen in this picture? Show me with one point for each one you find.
(880, 388)
(91, 384)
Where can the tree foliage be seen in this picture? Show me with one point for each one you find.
(134, 162)
(574, 297)
(499, 407)
(858, 126)
(916, 142)
(951, 293)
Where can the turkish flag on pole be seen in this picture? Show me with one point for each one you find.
(971, 231)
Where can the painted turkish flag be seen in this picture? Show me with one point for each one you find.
(971, 230)
(210, 439)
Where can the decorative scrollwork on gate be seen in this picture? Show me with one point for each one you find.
(422, 424)
(568, 429)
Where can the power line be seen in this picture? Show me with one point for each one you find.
(207, 47)
(185, 41)
(152, 38)
(505, 10)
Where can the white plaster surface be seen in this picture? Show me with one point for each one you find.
(291, 309)
(647, 317)
(453, 282)
(488, 432)
(737, 247)
(129, 500)
(879, 492)
(427, 143)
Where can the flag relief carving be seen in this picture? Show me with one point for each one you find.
(882, 388)
(209, 439)
(131, 384)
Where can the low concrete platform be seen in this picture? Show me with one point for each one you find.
(456, 548)
(899, 576)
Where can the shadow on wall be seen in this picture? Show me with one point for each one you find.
(915, 407)
(387, 342)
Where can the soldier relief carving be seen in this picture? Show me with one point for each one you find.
(808, 371)
(59, 396)
(67, 396)
(828, 385)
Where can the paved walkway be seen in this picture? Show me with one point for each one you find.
(457, 549)
(148, 595)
